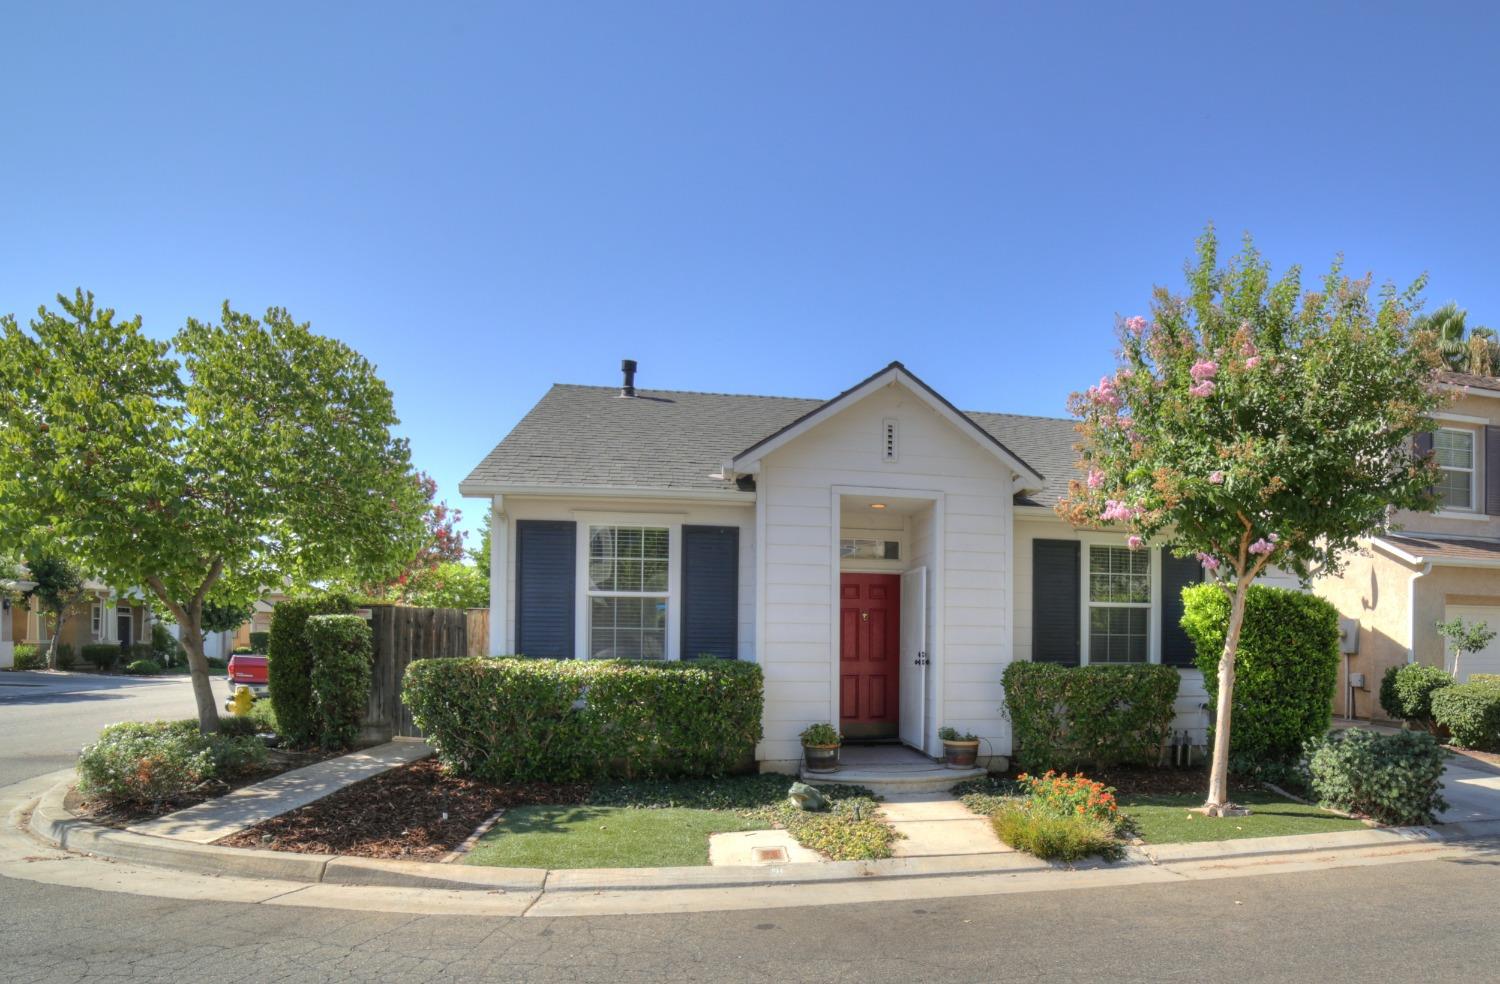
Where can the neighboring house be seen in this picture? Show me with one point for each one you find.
(1433, 567)
(260, 619)
(883, 555)
(104, 616)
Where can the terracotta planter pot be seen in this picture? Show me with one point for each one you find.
(821, 758)
(960, 754)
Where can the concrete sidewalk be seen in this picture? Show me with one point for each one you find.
(248, 806)
(934, 825)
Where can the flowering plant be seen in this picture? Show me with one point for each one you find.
(1062, 795)
(1249, 423)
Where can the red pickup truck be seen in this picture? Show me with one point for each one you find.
(249, 671)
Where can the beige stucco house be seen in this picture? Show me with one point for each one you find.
(1430, 567)
(104, 616)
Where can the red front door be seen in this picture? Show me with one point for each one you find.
(869, 654)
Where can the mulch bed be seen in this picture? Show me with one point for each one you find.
(120, 817)
(417, 812)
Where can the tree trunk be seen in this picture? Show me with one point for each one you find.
(59, 619)
(189, 622)
(1218, 777)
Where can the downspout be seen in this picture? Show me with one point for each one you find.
(1411, 611)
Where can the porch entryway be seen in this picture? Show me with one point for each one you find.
(891, 769)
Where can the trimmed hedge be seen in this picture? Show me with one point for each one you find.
(1286, 669)
(66, 658)
(143, 667)
(102, 654)
(1089, 716)
(29, 657)
(259, 641)
(1406, 692)
(341, 655)
(512, 719)
(289, 664)
(1395, 778)
(1471, 713)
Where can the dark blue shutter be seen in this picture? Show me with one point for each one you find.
(710, 591)
(1176, 573)
(1492, 471)
(1055, 612)
(546, 569)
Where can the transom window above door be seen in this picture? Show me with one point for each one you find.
(1454, 450)
(1119, 605)
(628, 593)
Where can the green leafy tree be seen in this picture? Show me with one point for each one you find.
(58, 588)
(448, 585)
(237, 455)
(1466, 638)
(1250, 424)
(482, 554)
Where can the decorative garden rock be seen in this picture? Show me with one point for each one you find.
(807, 798)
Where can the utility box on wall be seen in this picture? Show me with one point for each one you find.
(1348, 636)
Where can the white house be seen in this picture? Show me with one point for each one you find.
(882, 554)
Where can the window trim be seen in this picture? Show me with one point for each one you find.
(672, 523)
(1152, 607)
(96, 620)
(1472, 470)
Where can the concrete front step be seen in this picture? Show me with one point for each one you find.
(895, 780)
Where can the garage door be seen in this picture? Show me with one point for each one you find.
(1483, 662)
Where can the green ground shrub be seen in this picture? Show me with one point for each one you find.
(141, 650)
(1053, 837)
(165, 649)
(512, 719)
(66, 658)
(259, 642)
(263, 715)
(145, 764)
(1089, 716)
(1484, 677)
(215, 663)
(242, 651)
(289, 663)
(29, 657)
(143, 667)
(103, 655)
(1406, 692)
(1286, 669)
(1395, 778)
(1471, 713)
(341, 654)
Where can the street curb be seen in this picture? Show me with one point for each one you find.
(52, 821)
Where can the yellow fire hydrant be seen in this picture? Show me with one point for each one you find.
(239, 704)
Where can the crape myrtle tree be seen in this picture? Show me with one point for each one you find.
(238, 456)
(1250, 424)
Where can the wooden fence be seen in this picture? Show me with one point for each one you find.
(479, 631)
(401, 635)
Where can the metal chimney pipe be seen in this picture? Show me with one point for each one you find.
(627, 366)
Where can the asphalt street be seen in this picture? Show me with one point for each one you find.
(45, 718)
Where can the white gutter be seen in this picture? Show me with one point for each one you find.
(1411, 610)
(472, 490)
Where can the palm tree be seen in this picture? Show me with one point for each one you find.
(1475, 350)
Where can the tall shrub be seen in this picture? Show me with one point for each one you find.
(1471, 713)
(1406, 692)
(1394, 778)
(1089, 716)
(289, 663)
(341, 652)
(1286, 668)
(519, 719)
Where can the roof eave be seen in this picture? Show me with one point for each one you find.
(483, 490)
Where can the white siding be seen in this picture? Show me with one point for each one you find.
(676, 511)
(970, 641)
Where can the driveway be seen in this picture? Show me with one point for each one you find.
(45, 718)
(1472, 789)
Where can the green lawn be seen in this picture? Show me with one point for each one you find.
(1167, 820)
(604, 837)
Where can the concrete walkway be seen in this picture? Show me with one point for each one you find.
(248, 806)
(937, 825)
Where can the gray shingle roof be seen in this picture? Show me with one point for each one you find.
(589, 436)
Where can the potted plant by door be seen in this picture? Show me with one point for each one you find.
(960, 751)
(820, 748)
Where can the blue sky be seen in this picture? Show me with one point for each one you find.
(769, 197)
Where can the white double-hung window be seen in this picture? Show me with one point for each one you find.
(1454, 450)
(1119, 604)
(628, 591)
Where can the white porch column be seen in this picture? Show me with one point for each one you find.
(499, 568)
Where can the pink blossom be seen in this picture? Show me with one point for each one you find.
(1204, 388)
(1252, 362)
(1262, 546)
(1274, 538)
(1135, 542)
(1117, 511)
(1217, 478)
(1105, 392)
(1209, 563)
(1135, 324)
(1247, 349)
(1204, 369)
(1096, 478)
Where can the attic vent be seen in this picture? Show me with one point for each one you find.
(888, 436)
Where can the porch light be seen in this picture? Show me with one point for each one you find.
(877, 505)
